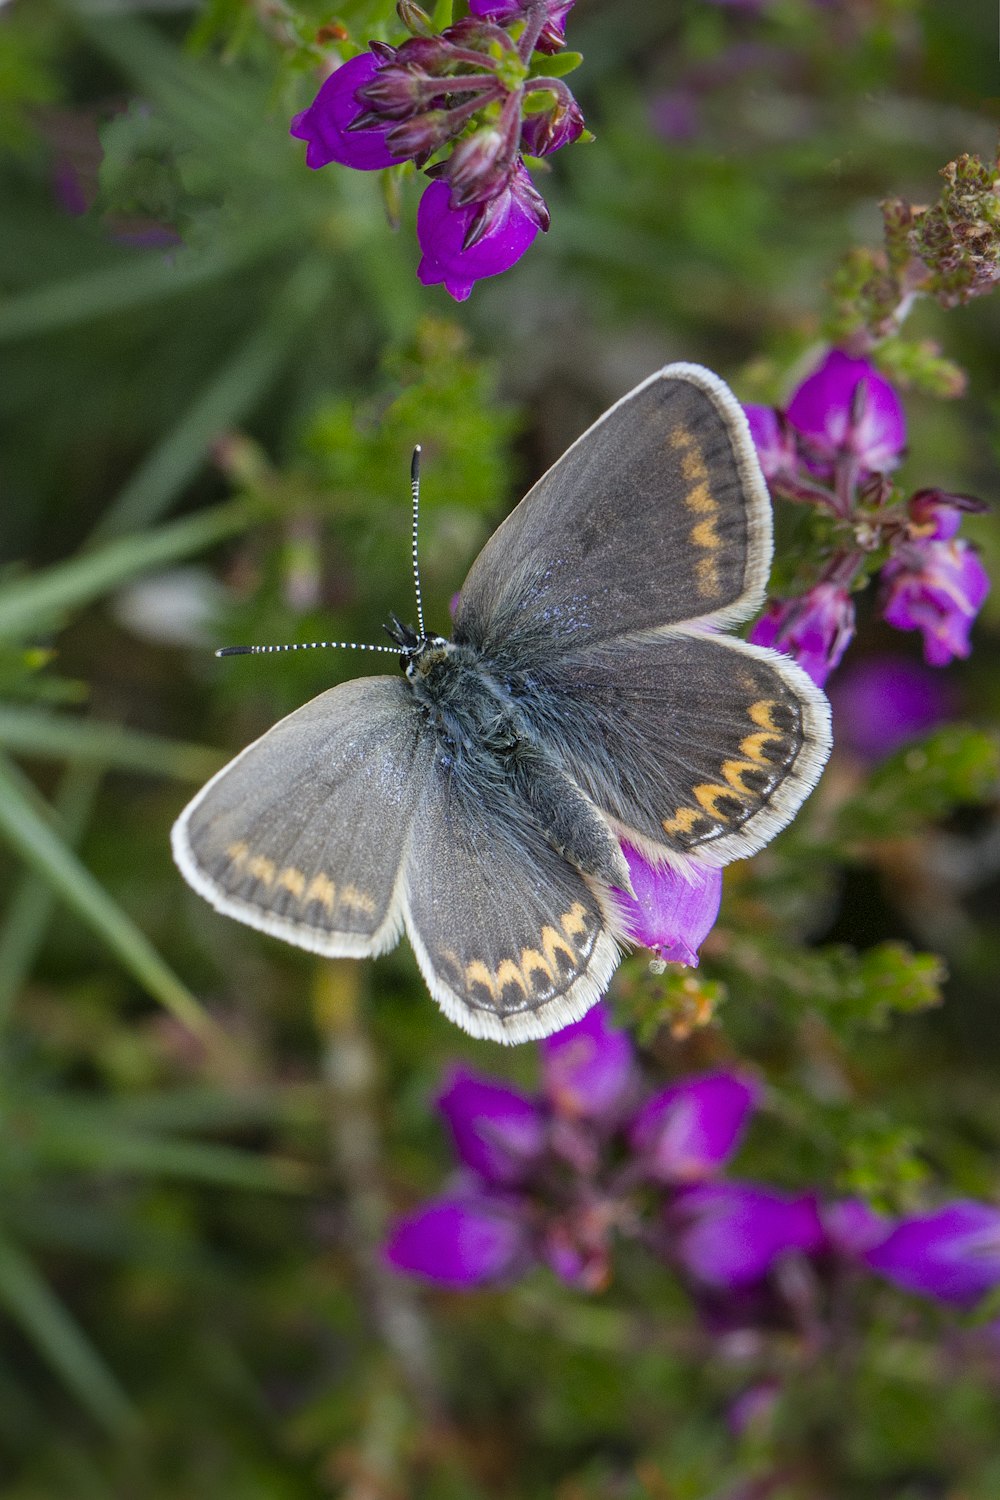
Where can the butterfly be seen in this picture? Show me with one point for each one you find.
(588, 695)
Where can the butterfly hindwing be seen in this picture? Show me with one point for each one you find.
(698, 743)
(657, 514)
(303, 835)
(513, 941)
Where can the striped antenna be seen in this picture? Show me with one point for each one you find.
(415, 493)
(304, 646)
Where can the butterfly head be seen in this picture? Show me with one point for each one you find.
(415, 649)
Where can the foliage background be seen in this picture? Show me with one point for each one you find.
(215, 366)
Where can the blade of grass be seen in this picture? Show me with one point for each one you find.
(29, 605)
(230, 393)
(31, 836)
(32, 903)
(51, 736)
(31, 1303)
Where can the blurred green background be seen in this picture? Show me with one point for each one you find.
(215, 365)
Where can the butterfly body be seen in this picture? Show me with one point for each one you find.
(588, 696)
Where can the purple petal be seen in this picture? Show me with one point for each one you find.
(733, 1233)
(952, 1255)
(459, 1242)
(690, 1130)
(497, 1131)
(587, 1067)
(553, 33)
(852, 1227)
(815, 629)
(671, 912)
(773, 440)
(938, 588)
(881, 703)
(325, 123)
(442, 231)
(837, 417)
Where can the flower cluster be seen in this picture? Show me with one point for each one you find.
(554, 1177)
(834, 447)
(466, 105)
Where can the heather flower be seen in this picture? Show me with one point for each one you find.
(327, 124)
(671, 912)
(728, 1235)
(815, 629)
(774, 440)
(460, 1242)
(463, 105)
(451, 253)
(846, 408)
(884, 701)
(687, 1132)
(496, 1130)
(952, 1254)
(938, 588)
(553, 1178)
(552, 34)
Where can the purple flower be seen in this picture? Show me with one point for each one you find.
(952, 1254)
(773, 439)
(731, 1234)
(884, 701)
(497, 1131)
(671, 912)
(326, 124)
(847, 408)
(459, 1242)
(815, 629)
(689, 1131)
(444, 235)
(546, 130)
(587, 1068)
(938, 588)
(551, 38)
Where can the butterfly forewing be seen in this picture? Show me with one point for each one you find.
(303, 835)
(512, 940)
(657, 514)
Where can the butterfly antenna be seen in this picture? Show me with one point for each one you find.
(304, 646)
(415, 493)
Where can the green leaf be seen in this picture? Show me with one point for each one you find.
(29, 834)
(956, 766)
(31, 1304)
(557, 66)
(32, 604)
(49, 736)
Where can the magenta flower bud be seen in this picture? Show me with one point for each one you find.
(327, 124)
(689, 1131)
(671, 912)
(935, 515)
(460, 1242)
(587, 1068)
(551, 38)
(732, 1233)
(482, 165)
(442, 232)
(938, 588)
(952, 1255)
(884, 701)
(422, 134)
(815, 629)
(546, 130)
(497, 1131)
(773, 439)
(847, 408)
(397, 92)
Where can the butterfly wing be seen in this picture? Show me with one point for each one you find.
(658, 514)
(304, 834)
(512, 940)
(690, 743)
